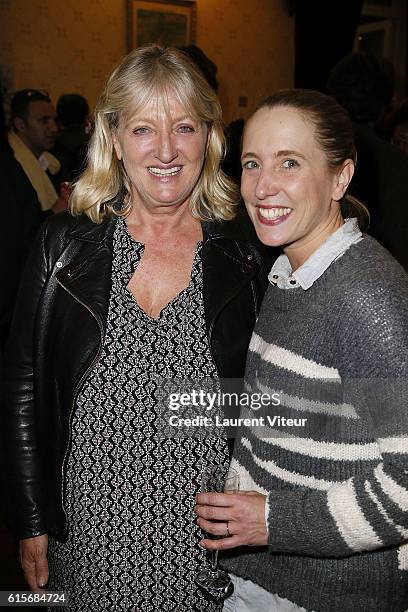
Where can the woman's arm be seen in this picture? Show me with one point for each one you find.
(23, 489)
(369, 510)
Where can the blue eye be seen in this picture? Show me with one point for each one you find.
(140, 130)
(250, 165)
(185, 129)
(289, 164)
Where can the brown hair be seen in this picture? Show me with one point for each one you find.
(333, 132)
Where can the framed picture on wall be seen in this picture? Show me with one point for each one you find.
(169, 23)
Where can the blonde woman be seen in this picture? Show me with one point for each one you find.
(145, 278)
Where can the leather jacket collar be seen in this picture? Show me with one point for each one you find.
(89, 279)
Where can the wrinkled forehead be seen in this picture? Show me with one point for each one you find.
(157, 102)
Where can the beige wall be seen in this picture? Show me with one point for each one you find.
(72, 45)
(64, 45)
(252, 43)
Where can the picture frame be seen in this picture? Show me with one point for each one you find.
(168, 23)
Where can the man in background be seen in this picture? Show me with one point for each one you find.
(32, 135)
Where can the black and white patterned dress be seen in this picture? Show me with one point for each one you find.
(133, 541)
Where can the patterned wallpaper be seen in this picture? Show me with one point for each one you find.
(72, 45)
(252, 43)
(64, 46)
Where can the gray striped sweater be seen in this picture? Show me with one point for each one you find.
(338, 480)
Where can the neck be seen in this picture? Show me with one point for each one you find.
(299, 252)
(162, 223)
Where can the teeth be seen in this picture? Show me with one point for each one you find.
(164, 171)
(273, 213)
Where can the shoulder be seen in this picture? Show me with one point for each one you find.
(369, 266)
(240, 228)
(78, 236)
(66, 226)
(12, 174)
(238, 235)
(18, 199)
(9, 165)
(64, 222)
(61, 223)
(368, 275)
(368, 301)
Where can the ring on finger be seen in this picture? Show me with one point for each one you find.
(227, 535)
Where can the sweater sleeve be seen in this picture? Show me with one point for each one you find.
(370, 509)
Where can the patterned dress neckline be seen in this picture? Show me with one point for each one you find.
(136, 250)
(133, 540)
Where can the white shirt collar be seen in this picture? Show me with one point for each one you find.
(313, 268)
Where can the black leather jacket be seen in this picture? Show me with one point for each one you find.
(57, 336)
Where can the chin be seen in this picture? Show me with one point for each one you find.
(268, 237)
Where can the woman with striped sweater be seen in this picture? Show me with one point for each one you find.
(321, 523)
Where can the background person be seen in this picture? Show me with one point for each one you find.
(146, 280)
(32, 135)
(332, 334)
(21, 219)
(72, 140)
(204, 63)
(363, 85)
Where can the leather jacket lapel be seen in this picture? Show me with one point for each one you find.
(225, 272)
(88, 276)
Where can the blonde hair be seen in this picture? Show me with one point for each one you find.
(145, 73)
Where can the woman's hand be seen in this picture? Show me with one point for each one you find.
(241, 516)
(33, 559)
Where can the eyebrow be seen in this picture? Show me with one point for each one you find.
(286, 152)
(283, 153)
(248, 154)
(174, 120)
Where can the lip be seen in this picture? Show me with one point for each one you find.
(164, 172)
(273, 221)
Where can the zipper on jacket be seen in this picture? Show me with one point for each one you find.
(221, 308)
(76, 390)
(249, 257)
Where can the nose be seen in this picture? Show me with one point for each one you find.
(266, 185)
(166, 148)
(52, 126)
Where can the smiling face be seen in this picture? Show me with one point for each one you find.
(291, 194)
(163, 151)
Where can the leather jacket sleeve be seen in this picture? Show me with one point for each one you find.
(56, 334)
(23, 492)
